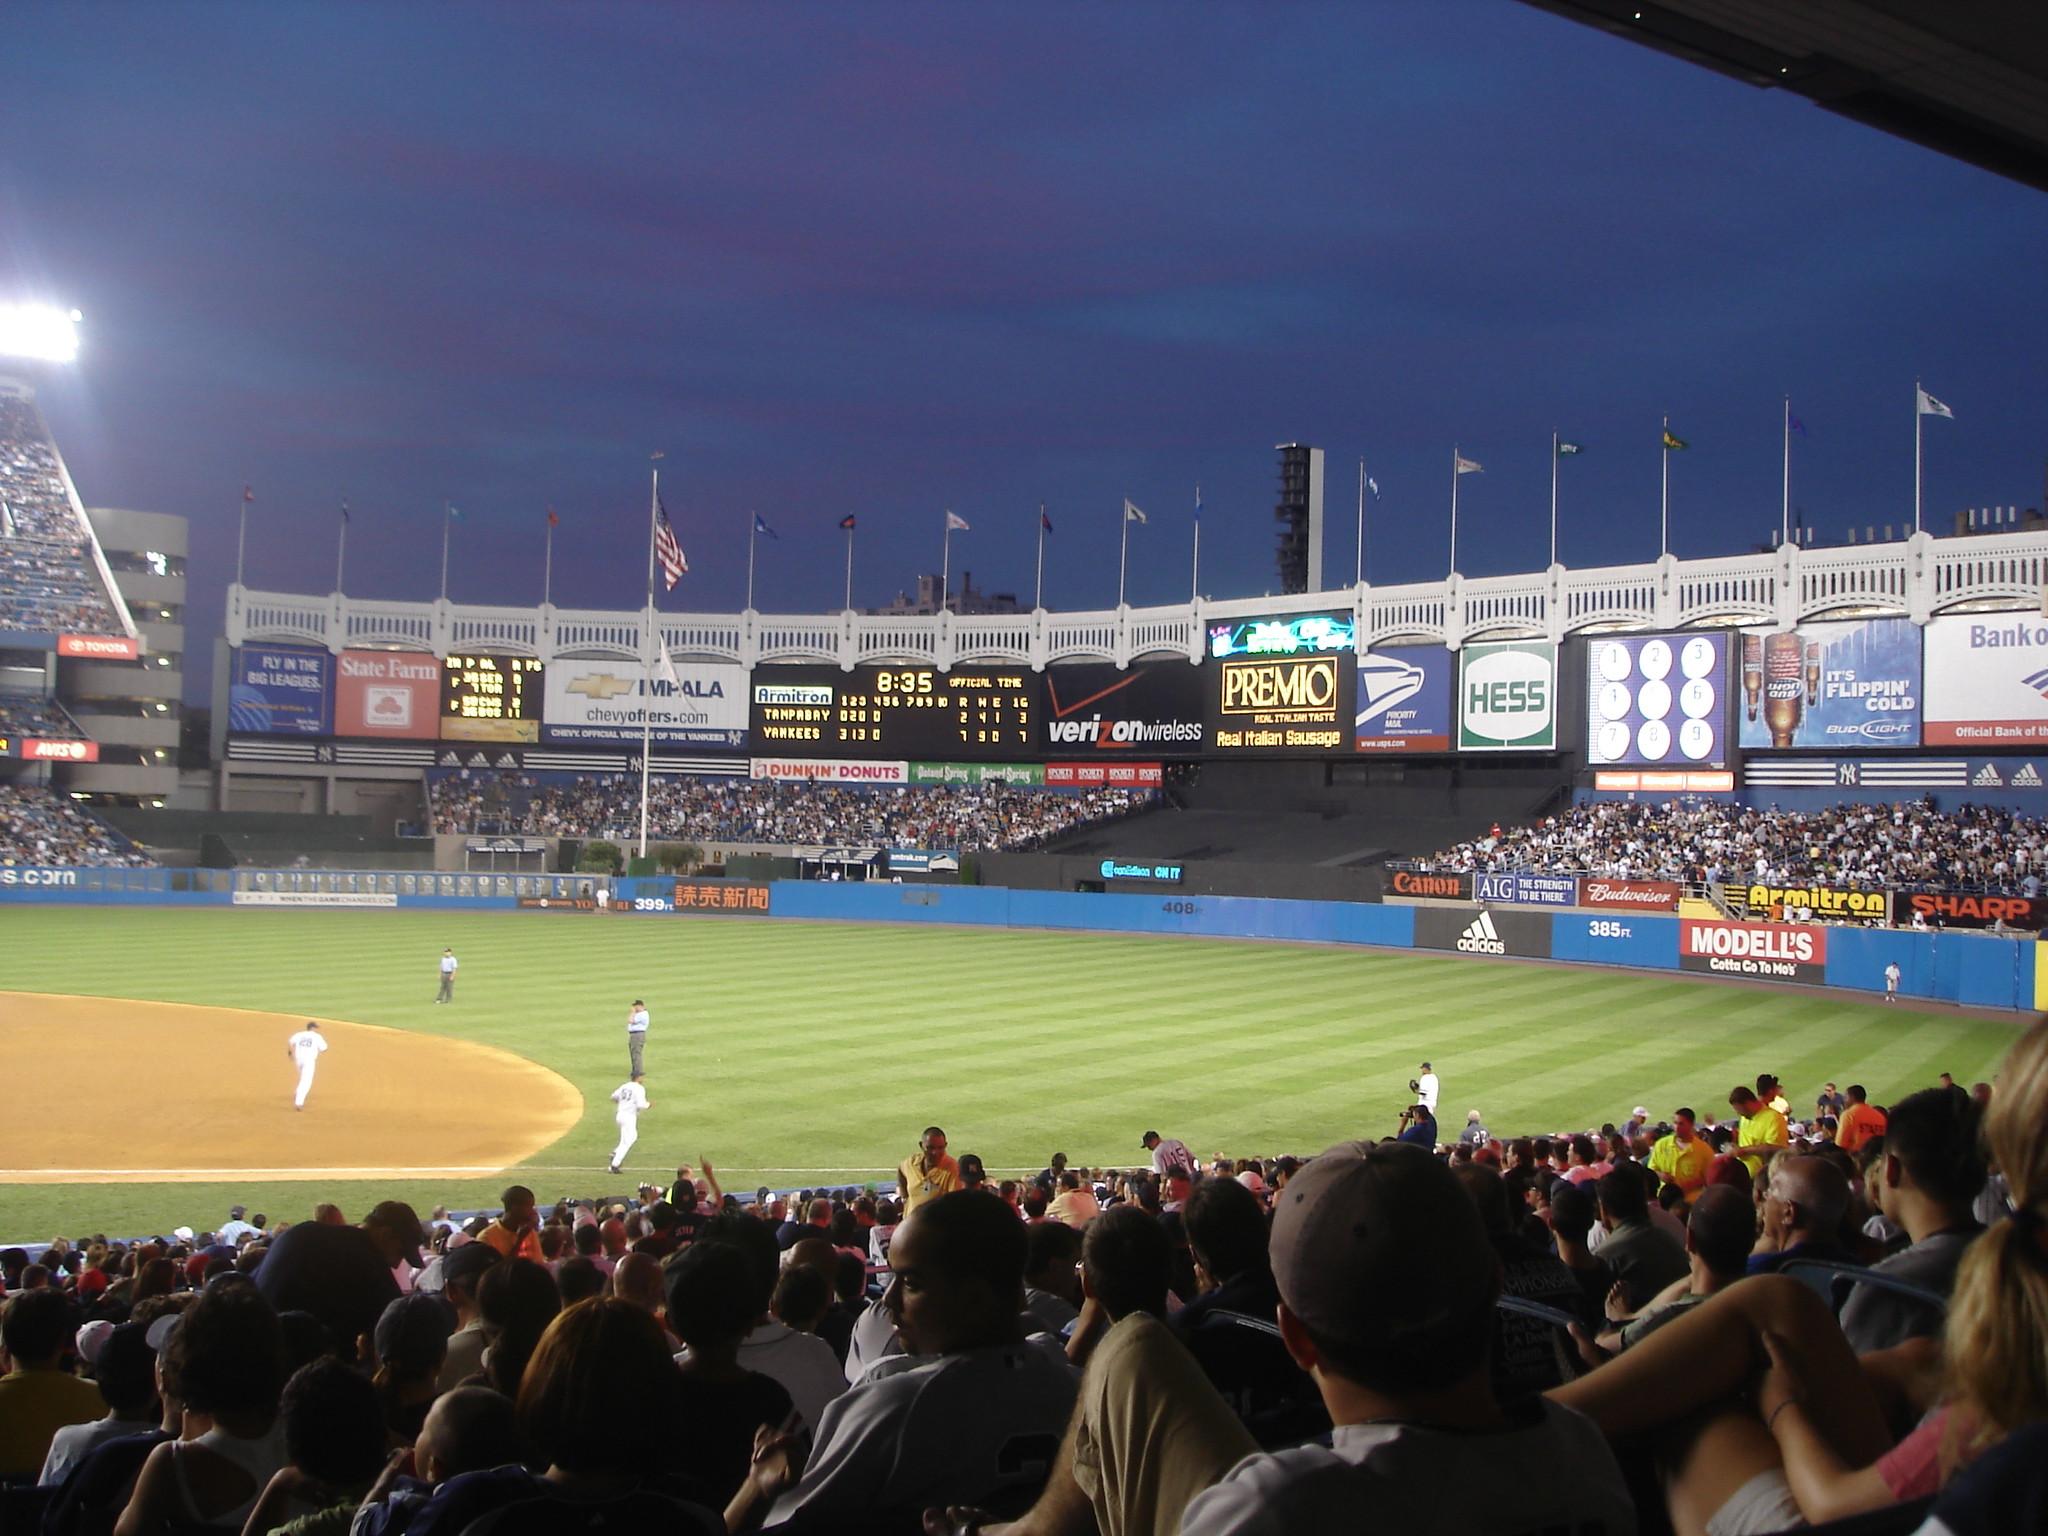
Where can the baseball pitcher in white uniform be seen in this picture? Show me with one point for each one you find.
(305, 1048)
(631, 1099)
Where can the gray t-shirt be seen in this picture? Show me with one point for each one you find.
(1548, 1469)
(1877, 1319)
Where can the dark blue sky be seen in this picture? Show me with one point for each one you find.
(888, 259)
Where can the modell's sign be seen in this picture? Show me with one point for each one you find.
(1765, 951)
(1969, 909)
(1629, 895)
(1796, 903)
(1408, 882)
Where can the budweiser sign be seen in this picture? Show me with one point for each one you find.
(1629, 895)
(1766, 951)
(1407, 882)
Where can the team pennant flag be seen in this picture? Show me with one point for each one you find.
(1672, 440)
(1131, 513)
(1372, 485)
(955, 523)
(1929, 406)
(666, 669)
(1044, 522)
(455, 513)
(249, 495)
(846, 522)
(1469, 466)
(553, 521)
(344, 512)
(761, 526)
(1564, 448)
(668, 554)
(1794, 424)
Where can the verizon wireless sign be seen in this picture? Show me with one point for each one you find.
(1765, 951)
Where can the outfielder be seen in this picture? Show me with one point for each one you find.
(631, 1099)
(305, 1048)
(447, 993)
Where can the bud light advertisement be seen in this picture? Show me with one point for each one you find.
(1853, 685)
(282, 690)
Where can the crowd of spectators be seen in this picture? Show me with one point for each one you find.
(1775, 1315)
(23, 714)
(38, 826)
(1868, 847)
(48, 582)
(961, 817)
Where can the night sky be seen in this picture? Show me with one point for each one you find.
(891, 259)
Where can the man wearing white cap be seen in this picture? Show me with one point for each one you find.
(304, 1048)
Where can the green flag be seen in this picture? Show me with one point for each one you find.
(1671, 441)
(1565, 448)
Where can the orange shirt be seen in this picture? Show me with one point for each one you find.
(525, 1245)
(1858, 1124)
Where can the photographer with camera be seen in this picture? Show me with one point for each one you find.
(1418, 1125)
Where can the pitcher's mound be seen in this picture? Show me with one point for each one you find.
(102, 1090)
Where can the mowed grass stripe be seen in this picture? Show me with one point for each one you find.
(816, 1045)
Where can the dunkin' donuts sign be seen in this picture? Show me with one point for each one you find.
(1763, 951)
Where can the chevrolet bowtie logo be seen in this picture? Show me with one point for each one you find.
(602, 686)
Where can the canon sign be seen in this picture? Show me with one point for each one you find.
(1767, 951)
(1407, 882)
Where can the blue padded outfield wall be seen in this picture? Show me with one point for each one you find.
(1975, 969)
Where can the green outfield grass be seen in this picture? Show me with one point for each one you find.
(785, 1049)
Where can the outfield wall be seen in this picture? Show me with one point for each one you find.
(1973, 968)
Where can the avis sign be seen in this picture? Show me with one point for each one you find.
(1507, 696)
(1762, 951)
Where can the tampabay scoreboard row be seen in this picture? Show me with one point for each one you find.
(1294, 685)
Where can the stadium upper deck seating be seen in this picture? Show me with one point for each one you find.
(48, 582)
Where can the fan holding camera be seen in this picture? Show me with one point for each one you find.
(1418, 1122)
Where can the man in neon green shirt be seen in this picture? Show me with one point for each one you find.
(1682, 1158)
(1762, 1134)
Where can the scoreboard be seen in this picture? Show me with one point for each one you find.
(491, 698)
(908, 713)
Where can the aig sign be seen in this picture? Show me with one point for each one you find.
(1507, 697)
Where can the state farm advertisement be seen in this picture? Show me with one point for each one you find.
(1150, 710)
(1116, 775)
(1987, 681)
(1628, 895)
(1763, 951)
(387, 693)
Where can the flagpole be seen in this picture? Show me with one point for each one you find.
(1454, 509)
(341, 547)
(1195, 574)
(447, 517)
(946, 560)
(849, 570)
(1664, 498)
(1358, 558)
(1785, 512)
(654, 624)
(1553, 498)
(1038, 590)
(547, 570)
(753, 541)
(1917, 414)
(1123, 548)
(241, 535)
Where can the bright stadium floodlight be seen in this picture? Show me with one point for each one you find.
(40, 331)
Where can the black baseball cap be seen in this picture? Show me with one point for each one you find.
(403, 1223)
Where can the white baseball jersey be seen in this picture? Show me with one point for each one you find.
(1891, 977)
(1172, 1156)
(631, 1099)
(1425, 1090)
(636, 1022)
(306, 1046)
(447, 965)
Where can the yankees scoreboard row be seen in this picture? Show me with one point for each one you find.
(1287, 685)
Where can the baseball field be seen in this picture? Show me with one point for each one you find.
(146, 1082)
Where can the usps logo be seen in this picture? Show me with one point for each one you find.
(1383, 682)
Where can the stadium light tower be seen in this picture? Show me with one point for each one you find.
(40, 331)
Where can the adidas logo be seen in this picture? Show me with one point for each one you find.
(1988, 778)
(2028, 777)
(1481, 938)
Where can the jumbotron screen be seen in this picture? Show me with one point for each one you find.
(491, 698)
(909, 713)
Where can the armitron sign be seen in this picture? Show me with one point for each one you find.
(1764, 951)
(1832, 903)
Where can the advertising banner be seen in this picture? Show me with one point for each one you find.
(50, 749)
(729, 898)
(1299, 634)
(1153, 709)
(976, 773)
(1127, 869)
(1800, 903)
(1628, 895)
(1969, 909)
(1894, 773)
(1280, 704)
(1657, 699)
(1132, 775)
(607, 702)
(282, 690)
(1507, 696)
(387, 693)
(1482, 931)
(1664, 781)
(829, 770)
(1527, 890)
(313, 899)
(1635, 940)
(1847, 686)
(1404, 699)
(924, 861)
(1987, 681)
(1447, 887)
(99, 647)
(1766, 951)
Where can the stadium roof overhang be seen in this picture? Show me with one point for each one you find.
(1967, 78)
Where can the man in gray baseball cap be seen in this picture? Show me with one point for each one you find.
(1387, 1286)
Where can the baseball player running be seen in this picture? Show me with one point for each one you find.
(631, 1099)
(305, 1048)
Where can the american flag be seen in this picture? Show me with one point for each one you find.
(667, 552)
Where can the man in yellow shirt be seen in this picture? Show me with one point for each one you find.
(928, 1173)
(1762, 1134)
(38, 1396)
(1682, 1158)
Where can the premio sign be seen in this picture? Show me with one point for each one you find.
(1507, 696)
